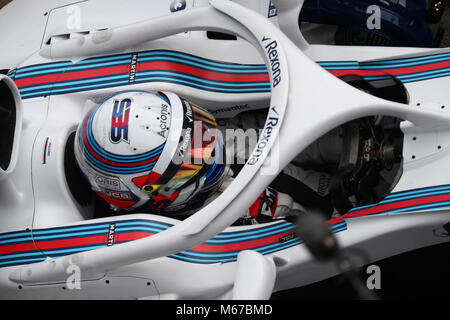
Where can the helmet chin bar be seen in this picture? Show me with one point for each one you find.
(306, 103)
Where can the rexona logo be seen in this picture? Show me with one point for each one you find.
(119, 121)
(272, 54)
(264, 140)
(186, 141)
(188, 112)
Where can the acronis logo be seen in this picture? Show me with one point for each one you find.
(119, 121)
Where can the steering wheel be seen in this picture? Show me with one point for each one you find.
(306, 102)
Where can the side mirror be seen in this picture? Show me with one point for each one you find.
(10, 125)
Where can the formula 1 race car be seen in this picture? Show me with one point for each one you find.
(389, 192)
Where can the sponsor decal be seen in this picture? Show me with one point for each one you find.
(188, 114)
(107, 182)
(287, 237)
(272, 54)
(266, 204)
(272, 10)
(186, 142)
(264, 140)
(177, 5)
(111, 234)
(270, 199)
(119, 121)
(133, 70)
(230, 109)
(120, 195)
(163, 120)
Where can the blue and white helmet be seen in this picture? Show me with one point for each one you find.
(149, 151)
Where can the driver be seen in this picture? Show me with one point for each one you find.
(155, 152)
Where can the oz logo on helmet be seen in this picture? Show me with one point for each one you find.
(119, 121)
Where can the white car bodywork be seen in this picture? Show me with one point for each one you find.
(45, 234)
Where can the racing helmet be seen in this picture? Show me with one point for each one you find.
(142, 150)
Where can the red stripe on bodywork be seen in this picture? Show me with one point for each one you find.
(167, 66)
(343, 73)
(75, 75)
(416, 69)
(129, 236)
(391, 71)
(10, 248)
(219, 76)
(240, 245)
(71, 242)
(390, 206)
(170, 66)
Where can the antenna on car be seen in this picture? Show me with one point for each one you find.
(323, 245)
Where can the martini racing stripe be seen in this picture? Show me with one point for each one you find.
(407, 70)
(418, 191)
(201, 62)
(422, 199)
(15, 235)
(86, 64)
(63, 240)
(200, 73)
(224, 76)
(199, 80)
(112, 71)
(69, 84)
(18, 247)
(195, 257)
(71, 75)
(46, 68)
(222, 89)
(57, 242)
(412, 60)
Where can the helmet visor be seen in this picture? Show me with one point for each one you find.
(200, 153)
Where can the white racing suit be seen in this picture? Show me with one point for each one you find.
(295, 188)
